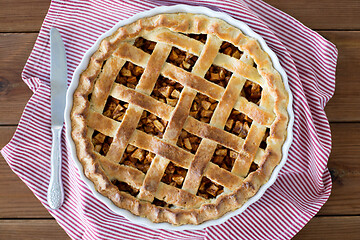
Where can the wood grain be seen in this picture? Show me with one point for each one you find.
(344, 106)
(323, 14)
(344, 166)
(31, 230)
(22, 15)
(331, 228)
(23, 217)
(19, 201)
(341, 108)
(14, 93)
(25, 16)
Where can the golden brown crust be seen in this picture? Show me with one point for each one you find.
(98, 80)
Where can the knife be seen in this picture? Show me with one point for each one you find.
(58, 84)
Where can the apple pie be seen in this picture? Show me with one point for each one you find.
(179, 118)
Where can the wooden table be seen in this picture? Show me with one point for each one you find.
(23, 217)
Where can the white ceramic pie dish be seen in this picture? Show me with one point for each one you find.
(173, 9)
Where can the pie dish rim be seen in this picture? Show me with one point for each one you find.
(174, 9)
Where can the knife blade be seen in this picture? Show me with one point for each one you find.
(58, 85)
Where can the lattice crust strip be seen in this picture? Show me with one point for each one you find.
(178, 119)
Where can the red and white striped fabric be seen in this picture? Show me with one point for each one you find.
(304, 183)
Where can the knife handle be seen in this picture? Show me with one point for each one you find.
(55, 195)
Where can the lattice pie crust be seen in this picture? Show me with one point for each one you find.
(179, 118)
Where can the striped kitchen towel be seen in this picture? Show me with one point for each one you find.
(304, 183)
